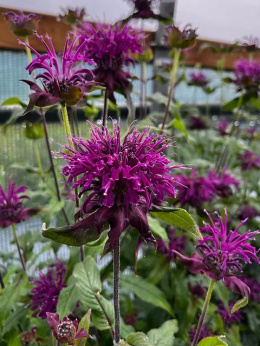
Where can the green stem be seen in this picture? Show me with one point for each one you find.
(173, 77)
(18, 248)
(116, 259)
(28, 51)
(67, 124)
(203, 313)
(38, 159)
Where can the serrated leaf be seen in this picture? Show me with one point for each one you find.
(138, 339)
(67, 298)
(239, 304)
(163, 336)
(213, 341)
(89, 287)
(178, 217)
(84, 324)
(146, 291)
(157, 229)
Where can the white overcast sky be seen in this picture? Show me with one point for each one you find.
(225, 20)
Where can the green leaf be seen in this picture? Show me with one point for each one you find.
(146, 291)
(163, 336)
(14, 318)
(157, 229)
(13, 101)
(125, 329)
(89, 287)
(11, 294)
(239, 304)
(138, 339)
(178, 217)
(178, 124)
(84, 324)
(34, 131)
(68, 298)
(16, 113)
(213, 341)
(13, 338)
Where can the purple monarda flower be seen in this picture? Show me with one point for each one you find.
(12, 209)
(226, 315)
(61, 82)
(223, 183)
(180, 39)
(110, 47)
(65, 331)
(196, 123)
(198, 78)
(47, 288)
(254, 286)
(197, 291)
(22, 25)
(175, 243)
(247, 212)
(123, 179)
(249, 160)
(247, 74)
(194, 190)
(222, 127)
(222, 252)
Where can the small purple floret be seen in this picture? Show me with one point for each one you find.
(226, 315)
(198, 78)
(12, 209)
(22, 25)
(247, 212)
(249, 160)
(175, 243)
(247, 74)
(223, 183)
(47, 288)
(194, 190)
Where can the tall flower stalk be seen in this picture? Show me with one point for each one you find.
(203, 313)
(18, 247)
(174, 70)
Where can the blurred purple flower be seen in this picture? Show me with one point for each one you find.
(194, 190)
(196, 123)
(12, 209)
(226, 315)
(72, 17)
(65, 331)
(22, 25)
(198, 78)
(223, 182)
(175, 243)
(124, 178)
(47, 288)
(205, 332)
(222, 253)
(222, 126)
(254, 286)
(180, 39)
(61, 83)
(110, 47)
(247, 212)
(249, 160)
(197, 291)
(247, 74)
